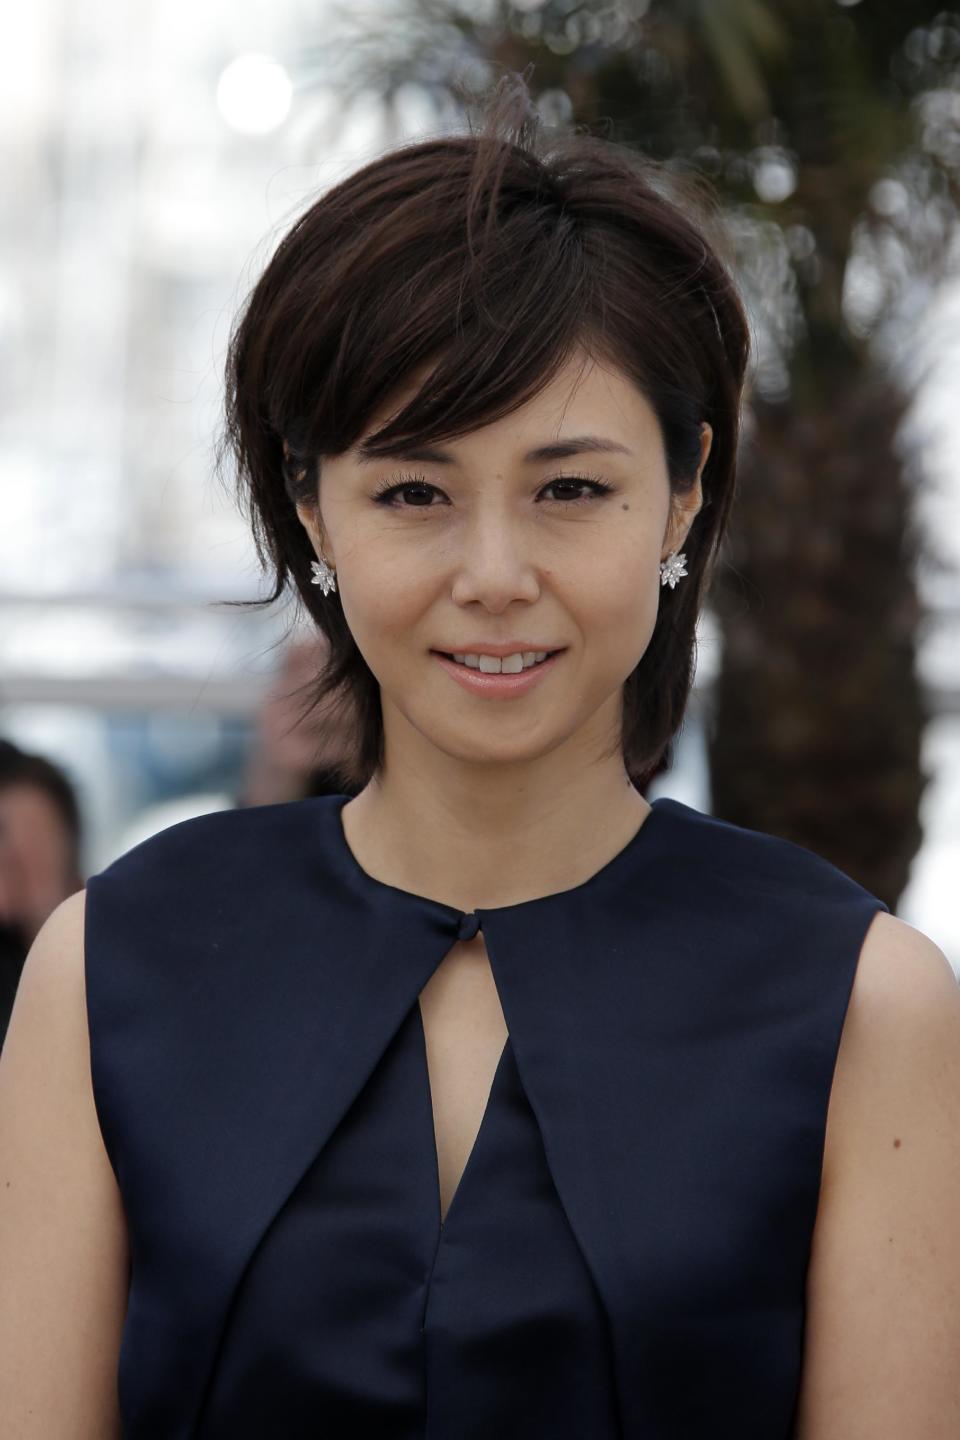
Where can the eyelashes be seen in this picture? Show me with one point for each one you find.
(384, 494)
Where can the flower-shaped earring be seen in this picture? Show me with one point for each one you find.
(672, 568)
(323, 575)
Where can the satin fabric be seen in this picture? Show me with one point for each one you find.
(625, 1255)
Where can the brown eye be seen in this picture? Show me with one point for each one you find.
(416, 488)
(597, 487)
(417, 485)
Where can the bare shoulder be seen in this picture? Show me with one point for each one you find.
(63, 1240)
(901, 964)
(883, 1293)
(54, 968)
(902, 1026)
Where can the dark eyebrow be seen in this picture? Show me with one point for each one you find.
(558, 450)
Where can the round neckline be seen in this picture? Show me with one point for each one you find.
(352, 866)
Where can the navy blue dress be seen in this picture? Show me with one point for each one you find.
(625, 1255)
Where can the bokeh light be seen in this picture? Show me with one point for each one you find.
(254, 94)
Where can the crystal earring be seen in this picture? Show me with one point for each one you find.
(323, 575)
(672, 568)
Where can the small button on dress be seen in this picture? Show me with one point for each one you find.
(625, 1255)
(468, 925)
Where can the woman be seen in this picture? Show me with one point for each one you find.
(488, 1098)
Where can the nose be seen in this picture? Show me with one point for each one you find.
(494, 564)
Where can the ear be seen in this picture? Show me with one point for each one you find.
(308, 515)
(684, 509)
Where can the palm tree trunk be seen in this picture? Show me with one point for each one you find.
(818, 713)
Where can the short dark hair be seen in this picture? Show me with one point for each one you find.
(494, 255)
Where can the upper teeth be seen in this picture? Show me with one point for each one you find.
(509, 665)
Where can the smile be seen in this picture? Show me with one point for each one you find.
(507, 665)
(485, 676)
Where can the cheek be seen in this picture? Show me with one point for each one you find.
(384, 611)
(617, 605)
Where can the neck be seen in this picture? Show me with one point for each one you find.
(493, 839)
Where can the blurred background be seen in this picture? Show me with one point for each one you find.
(153, 156)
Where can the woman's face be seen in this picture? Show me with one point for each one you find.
(488, 543)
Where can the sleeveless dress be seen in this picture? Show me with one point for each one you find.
(625, 1255)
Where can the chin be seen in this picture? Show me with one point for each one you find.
(487, 748)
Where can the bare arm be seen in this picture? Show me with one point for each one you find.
(882, 1356)
(63, 1238)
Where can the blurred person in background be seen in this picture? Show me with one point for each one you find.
(40, 838)
(296, 755)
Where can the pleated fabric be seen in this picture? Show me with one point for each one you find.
(625, 1256)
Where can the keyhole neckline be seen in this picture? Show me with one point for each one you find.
(487, 1119)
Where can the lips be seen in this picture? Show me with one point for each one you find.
(451, 655)
(490, 683)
